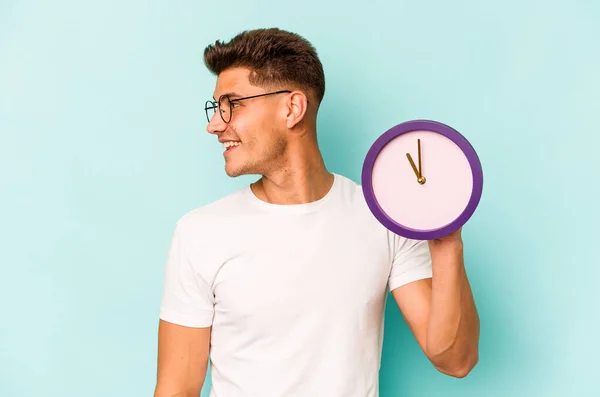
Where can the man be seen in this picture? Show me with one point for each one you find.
(282, 284)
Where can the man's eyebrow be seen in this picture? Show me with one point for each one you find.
(230, 95)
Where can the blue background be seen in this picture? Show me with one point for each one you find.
(103, 147)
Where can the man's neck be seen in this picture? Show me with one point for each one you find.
(298, 184)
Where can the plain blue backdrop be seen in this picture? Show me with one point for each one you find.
(103, 147)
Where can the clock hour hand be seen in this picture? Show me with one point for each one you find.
(412, 163)
(420, 177)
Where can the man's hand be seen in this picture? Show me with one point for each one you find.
(452, 240)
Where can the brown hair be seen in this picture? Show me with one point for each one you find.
(274, 56)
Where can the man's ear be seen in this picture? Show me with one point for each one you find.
(296, 107)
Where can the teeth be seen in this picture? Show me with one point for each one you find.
(231, 143)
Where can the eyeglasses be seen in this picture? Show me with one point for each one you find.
(225, 105)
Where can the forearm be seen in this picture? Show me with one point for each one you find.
(453, 331)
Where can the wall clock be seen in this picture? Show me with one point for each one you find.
(422, 179)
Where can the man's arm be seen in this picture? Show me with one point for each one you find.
(441, 312)
(182, 360)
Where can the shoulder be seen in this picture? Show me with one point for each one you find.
(351, 193)
(203, 232)
(353, 196)
(206, 218)
(348, 188)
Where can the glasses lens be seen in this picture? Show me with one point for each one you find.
(225, 108)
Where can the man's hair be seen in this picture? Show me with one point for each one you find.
(275, 57)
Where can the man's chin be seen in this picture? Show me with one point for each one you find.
(237, 168)
(234, 172)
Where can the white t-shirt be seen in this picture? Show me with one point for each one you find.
(295, 294)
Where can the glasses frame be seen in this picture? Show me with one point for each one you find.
(214, 105)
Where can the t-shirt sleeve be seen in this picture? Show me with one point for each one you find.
(187, 298)
(411, 262)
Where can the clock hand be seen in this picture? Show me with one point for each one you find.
(419, 147)
(420, 178)
(412, 163)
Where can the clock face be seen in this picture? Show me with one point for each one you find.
(422, 180)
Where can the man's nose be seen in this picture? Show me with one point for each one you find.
(216, 124)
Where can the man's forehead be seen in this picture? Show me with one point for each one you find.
(232, 82)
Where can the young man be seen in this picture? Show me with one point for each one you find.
(282, 284)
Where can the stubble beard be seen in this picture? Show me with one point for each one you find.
(260, 161)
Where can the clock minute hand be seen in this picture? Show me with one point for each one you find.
(419, 148)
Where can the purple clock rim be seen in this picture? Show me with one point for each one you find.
(454, 136)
